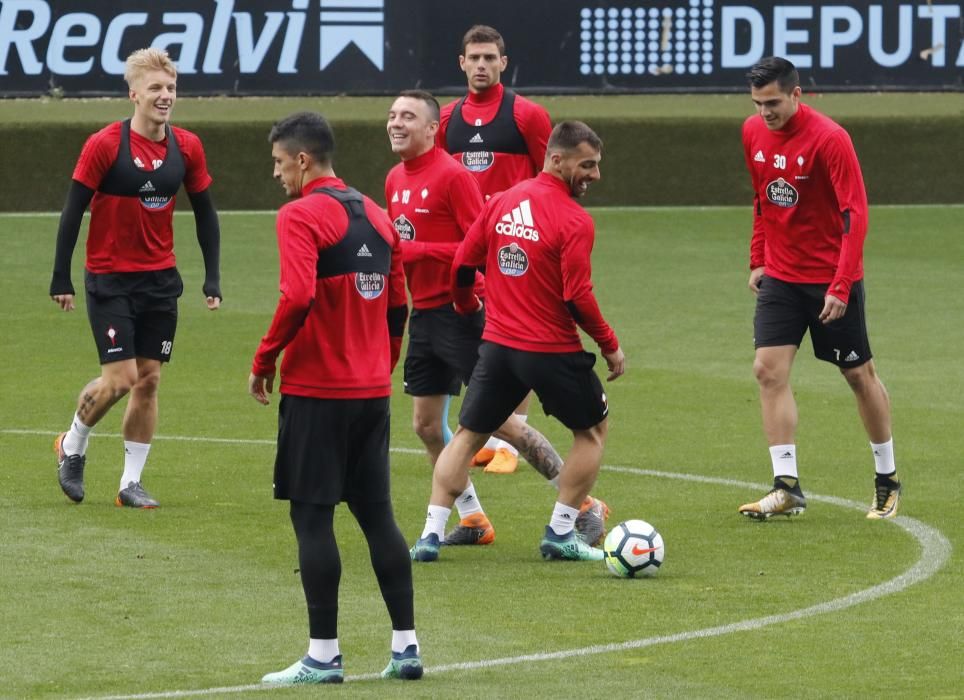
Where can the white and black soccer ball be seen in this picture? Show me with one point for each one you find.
(634, 548)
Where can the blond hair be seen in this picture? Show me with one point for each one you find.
(144, 60)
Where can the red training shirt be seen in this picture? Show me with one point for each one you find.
(124, 234)
(535, 242)
(432, 202)
(335, 339)
(507, 169)
(809, 201)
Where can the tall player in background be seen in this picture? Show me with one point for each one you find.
(433, 202)
(806, 270)
(500, 137)
(129, 173)
(536, 345)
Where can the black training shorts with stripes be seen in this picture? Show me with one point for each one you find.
(786, 310)
(332, 450)
(565, 383)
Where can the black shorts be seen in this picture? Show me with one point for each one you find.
(332, 450)
(565, 383)
(133, 314)
(785, 310)
(443, 347)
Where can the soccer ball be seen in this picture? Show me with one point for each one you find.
(634, 548)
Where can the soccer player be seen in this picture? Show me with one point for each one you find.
(806, 270)
(500, 137)
(544, 259)
(433, 202)
(129, 172)
(340, 322)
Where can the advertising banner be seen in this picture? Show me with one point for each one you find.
(307, 47)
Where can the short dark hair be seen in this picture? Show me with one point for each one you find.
(434, 111)
(305, 131)
(774, 68)
(483, 34)
(566, 136)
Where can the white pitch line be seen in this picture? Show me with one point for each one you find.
(935, 551)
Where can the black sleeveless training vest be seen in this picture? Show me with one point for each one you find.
(362, 249)
(501, 135)
(125, 179)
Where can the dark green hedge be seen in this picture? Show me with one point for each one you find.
(645, 162)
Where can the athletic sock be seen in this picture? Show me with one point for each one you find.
(435, 521)
(402, 639)
(135, 455)
(563, 519)
(784, 460)
(323, 650)
(884, 458)
(75, 441)
(468, 502)
(503, 445)
(492, 443)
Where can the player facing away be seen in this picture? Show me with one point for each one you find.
(339, 321)
(432, 202)
(535, 242)
(129, 173)
(500, 137)
(806, 270)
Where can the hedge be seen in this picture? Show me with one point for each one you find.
(652, 161)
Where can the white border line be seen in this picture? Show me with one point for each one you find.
(935, 552)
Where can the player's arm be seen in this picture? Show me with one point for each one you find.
(298, 257)
(581, 301)
(61, 286)
(757, 240)
(848, 185)
(397, 302)
(209, 238)
(535, 125)
(468, 258)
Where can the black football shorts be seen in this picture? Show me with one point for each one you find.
(443, 347)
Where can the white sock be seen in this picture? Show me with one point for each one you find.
(884, 457)
(492, 443)
(402, 639)
(784, 459)
(468, 502)
(563, 519)
(503, 445)
(135, 455)
(323, 650)
(75, 441)
(435, 521)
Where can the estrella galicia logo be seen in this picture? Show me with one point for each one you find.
(155, 201)
(513, 261)
(782, 193)
(405, 228)
(477, 161)
(370, 284)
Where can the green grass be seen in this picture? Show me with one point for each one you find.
(202, 593)
(195, 110)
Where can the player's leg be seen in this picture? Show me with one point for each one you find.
(320, 568)
(780, 321)
(427, 412)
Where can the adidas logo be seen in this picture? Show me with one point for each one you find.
(147, 187)
(759, 157)
(786, 455)
(363, 252)
(518, 223)
(476, 139)
(852, 357)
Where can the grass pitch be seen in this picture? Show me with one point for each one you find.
(203, 593)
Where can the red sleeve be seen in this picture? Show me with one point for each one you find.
(298, 255)
(758, 241)
(196, 176)
(577, 287)
(468, 258)
(534, 124)
(96, 157)
(465, 199)
(443, 124)
(417, 251)
(848, 185)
